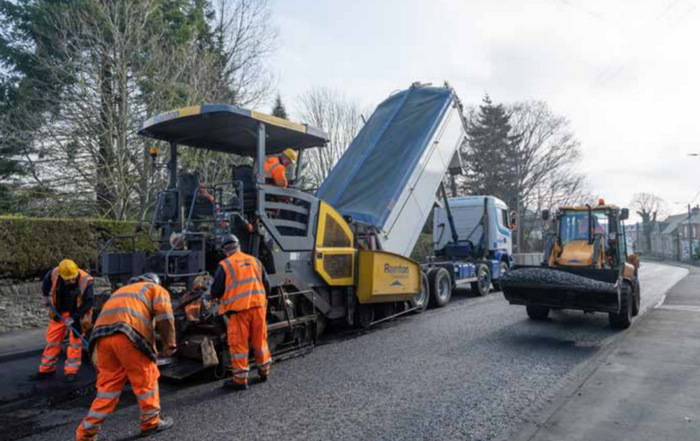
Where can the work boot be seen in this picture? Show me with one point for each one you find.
(164, 423)
(70, 378)
(39, 376)
(263, 378)
(230, 384)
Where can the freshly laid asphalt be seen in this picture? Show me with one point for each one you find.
(473, 370)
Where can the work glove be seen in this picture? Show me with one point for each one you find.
(170, 351)
(46, 301)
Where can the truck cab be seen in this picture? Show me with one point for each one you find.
(470, 214)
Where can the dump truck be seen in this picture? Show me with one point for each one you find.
(326, 263)
(391, 177)
(585, 267)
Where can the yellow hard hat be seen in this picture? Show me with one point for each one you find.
(67, 269)
(291, 154)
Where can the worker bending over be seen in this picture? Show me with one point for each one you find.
(68, 291)
(242, 285)
(124, 342)
(276, 166)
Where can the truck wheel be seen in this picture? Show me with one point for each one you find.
(536, 312)
(623, 319)
(503, 269)
(420, 300)
(440, 287)
(482, 286)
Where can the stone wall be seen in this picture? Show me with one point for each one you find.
(21, 306)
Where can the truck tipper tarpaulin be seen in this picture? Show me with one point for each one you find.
(392, 170)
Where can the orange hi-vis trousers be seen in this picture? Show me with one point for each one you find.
(55, 333)
(119, 360)
(243, 327)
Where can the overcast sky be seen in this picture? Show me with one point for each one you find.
(625, 73)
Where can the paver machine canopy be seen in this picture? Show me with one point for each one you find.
(237, 204)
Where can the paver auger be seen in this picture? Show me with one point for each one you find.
(585, 267)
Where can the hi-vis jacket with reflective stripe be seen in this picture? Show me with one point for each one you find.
(84, 281)
(131, 310)
(244, 288)
(275, 172)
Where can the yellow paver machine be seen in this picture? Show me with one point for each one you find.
(585, 267)
(320, 271)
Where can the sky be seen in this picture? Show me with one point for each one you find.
(625, 73)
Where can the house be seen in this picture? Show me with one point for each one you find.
(675, 236)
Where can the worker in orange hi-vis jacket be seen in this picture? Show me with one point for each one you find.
(124, 344)
(68, 292)
(275, 168)
(241, 285)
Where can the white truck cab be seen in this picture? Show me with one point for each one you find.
(468, 214)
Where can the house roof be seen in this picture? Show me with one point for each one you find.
(672, 222)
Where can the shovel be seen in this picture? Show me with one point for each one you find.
(86, 345)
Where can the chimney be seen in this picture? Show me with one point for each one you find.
(696, 210)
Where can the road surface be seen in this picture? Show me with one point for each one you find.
(468, 371)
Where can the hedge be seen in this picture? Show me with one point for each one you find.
(29, 247)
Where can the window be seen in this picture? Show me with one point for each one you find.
(574, 225)
(334, 235)
(504, 217)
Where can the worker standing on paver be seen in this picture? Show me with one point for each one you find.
(124, 343)
(242, 286)
(276, 166)
(67, 291)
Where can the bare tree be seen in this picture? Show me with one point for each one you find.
(117, 69)
(543, 163)
(648, 206)
(340, 118)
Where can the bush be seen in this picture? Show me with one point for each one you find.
(29, 247)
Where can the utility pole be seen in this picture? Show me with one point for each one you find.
(690, 235)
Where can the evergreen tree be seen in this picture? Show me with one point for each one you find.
(490, 157)
(279, 110)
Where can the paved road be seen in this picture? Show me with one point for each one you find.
(643, 387)
(467, 371)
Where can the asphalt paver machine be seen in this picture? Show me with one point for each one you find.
(317, 272)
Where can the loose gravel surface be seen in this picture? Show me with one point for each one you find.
(469, 371)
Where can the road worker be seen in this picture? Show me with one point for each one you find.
(276, 166)
(68, 291)
(124, 344)
(241, 285)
